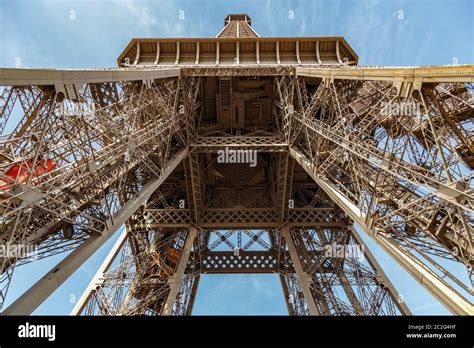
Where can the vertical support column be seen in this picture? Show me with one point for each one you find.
(197, 54)
(175, 280)
(86, 295)
(189, 309)
(282, 185)
(286, 293)
(157, 58)
(278, 52)
(298, 58)
(137, 57)
(345, 282)
(351, 295)
(383, 279)
(338, 54)
(318, 56)
(257, 52)
(237, 53)
(303, 278)
(177, 53)
(452, 299)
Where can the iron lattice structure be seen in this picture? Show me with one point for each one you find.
(138, 146)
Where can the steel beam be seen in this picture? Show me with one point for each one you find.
(43, 288)
(260, 144)
(303, 278)
(98, 278)
(443, 291)
(175, 280)
(192, 296)
(248, 218)
(458, 73)
(286, 294)
(56, 77)
(384, 280)
(246, 262)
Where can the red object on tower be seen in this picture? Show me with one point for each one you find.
(19, 173)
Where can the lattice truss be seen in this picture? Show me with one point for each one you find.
(139, 280)
(78, 162)
(137, 283)
(407, 176)
(343, 281)
(333, 147)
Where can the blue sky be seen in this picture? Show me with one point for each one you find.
(80, 34)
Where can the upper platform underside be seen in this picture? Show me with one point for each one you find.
(228, 51)
(238, 44)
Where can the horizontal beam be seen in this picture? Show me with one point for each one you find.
(247, 70)
(38, 77)
(456, 73)
(242, 261)
(261, 144)
(57, 77)
(242, 218)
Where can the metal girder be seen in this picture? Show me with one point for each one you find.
(304, 279)
(407, 182)
(341, 278)
(243, 218)
(8, 98)
(260, 144)
(241, 261)
(399, 169)
(437, 286)
(419, 75)
(192, 296)
(98, 277)
(237, 71)
(92, 154)
(283, 185)
(34, 296)
(62, 78)
(196, 186)
(175, 280)
(382, 277)
(286, 294)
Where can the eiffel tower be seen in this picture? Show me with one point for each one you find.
(239, 154)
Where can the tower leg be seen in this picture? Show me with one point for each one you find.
(334, 270)
(43, 288)
(303, 278)
(449, 296)
(286, 293)
(175, 280)
(192, 297)
(383, 279)
(98, 278)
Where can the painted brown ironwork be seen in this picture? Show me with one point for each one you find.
(239, 154)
